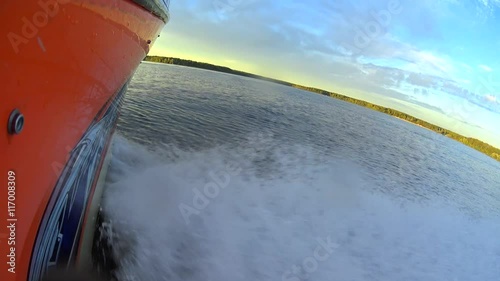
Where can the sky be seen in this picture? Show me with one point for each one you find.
(438, 60)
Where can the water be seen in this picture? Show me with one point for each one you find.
(220, 177)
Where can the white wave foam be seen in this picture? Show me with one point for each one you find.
(262, 227)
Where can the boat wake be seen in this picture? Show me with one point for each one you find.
(278, 212)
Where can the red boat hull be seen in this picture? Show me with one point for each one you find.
(62, 65)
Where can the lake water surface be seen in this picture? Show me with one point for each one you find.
(221, 177)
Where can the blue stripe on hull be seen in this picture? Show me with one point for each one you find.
(59, 233)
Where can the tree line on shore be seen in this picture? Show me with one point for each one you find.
(472, 142)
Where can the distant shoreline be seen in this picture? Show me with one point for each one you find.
(471, 142)
(413, 123)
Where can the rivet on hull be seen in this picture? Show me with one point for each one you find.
(16, 122)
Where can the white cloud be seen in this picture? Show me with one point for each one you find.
(491, 98)
(489, 3)
(427, 59)
(485, 68)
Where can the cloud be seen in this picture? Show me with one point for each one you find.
(491, 98)
(485, 68)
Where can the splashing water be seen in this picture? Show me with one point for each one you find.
(279, 213)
